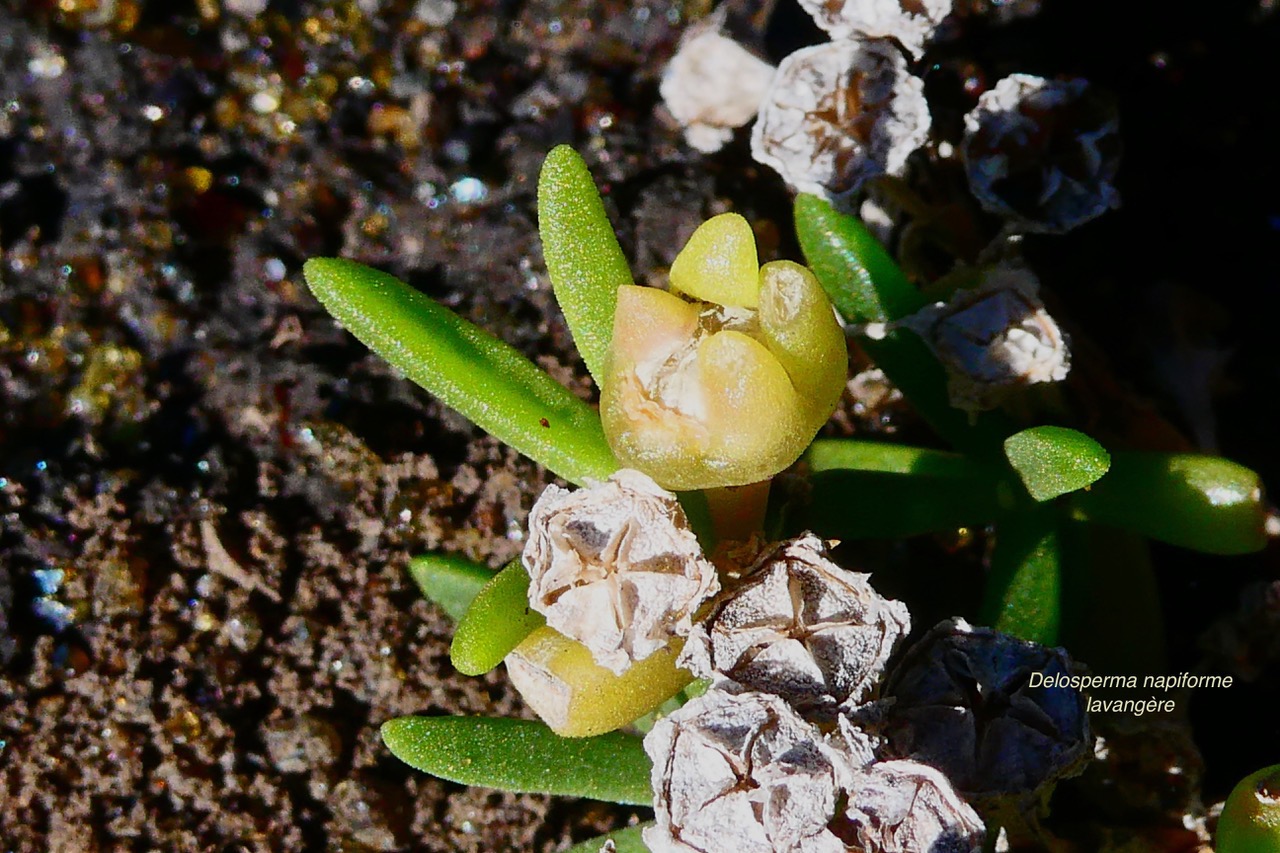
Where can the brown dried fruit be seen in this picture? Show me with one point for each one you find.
(616, 567)
(744, 772)
(839, 114)
(1042, 153)
(800, 627)
(962, 702)
(911, 22)
(906, 807)
(994, 339)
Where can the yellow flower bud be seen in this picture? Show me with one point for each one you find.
(725, 380)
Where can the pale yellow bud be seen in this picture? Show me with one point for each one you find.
(727, 385)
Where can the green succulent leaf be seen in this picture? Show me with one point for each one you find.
(626, 840)
(523, 756)
(1205, 503)
(827, 454)
(583, 257)
(497, 621)
(870, 286)
(851, 504)
(1054, 461)
(1112, 615)
(470, 370)
(867, 286)
(1024, 592)
(449, 582)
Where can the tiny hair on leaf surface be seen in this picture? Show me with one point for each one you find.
(449, 582)
(523, 756)
(584, 261)
(469, 370)
(1054, 461)
(498, 619)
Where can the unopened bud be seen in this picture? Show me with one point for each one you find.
(725, 380)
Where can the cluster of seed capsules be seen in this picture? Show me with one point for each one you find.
(802, 741)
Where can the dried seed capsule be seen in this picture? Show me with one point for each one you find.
(911, 22)
(713, 85)
(973, 703)
(1043, 153)
(616, 567)
(800, 627)
(744, 772)
(994, 339)
(839, 114)
(905, 807)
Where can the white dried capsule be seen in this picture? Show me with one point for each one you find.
(994, 339)
(713, 85)
(906, 807)
(911, 22)
(1042, 153)
(839, 114)
(744, 772)
(616, 567)
(965, 701)
(800, 627)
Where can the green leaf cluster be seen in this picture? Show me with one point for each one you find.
(1041, 490)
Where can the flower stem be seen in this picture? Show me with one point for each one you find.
(738, 511)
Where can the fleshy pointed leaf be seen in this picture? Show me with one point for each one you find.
(523, 756)
(872, 287)
(1054, 461)
(626, 840)
(1201, 502)
(449, 582)
(583, 257)
(498, 620)
(879, 505)
(867, 286)
(469, 369)
(1112, 614)
(1024, 593)
(828, 454)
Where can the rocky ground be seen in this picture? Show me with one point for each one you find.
(210, 491)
